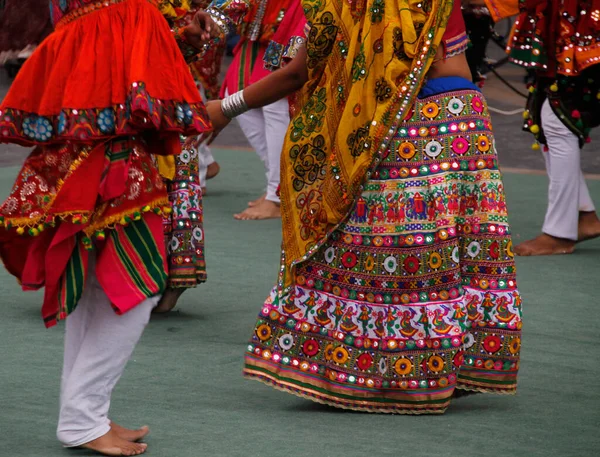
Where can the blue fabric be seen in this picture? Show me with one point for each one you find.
(446, 84)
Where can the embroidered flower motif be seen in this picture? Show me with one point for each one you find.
(469, 340)
(492, 344)
(514, 345)
(286, 342)
(37, 128)
(406, 150)
(403, 366)
(383, 366)
(198, 234)
(435, 261)
(473, 249)
(330, 255)
(412, 264)
(477, 104)
(460, 145)
(340, 355)
(435, 363)
(310, 347)
(174, 244)
(106, 120)
(390, 264)
(263, 332)
(433, 149)
(10, 205)
(430, 110)
(349, 259)
(364, 361)
(483, 143)
(456, 106)
(185, 156)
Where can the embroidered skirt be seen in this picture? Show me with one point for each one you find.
(414, 295)
(68, 199)
(183, 227)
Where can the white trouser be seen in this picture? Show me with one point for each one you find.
(98, 344)
(265, 129)
(205, 158)
(567, 193)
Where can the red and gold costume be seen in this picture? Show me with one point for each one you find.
(259, 26)
(93, 103)
(560, 39)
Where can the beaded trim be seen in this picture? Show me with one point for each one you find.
(226, 25)
(87, 9)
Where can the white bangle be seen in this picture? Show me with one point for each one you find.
(234, 105)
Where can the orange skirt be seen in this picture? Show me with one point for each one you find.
(114, 71)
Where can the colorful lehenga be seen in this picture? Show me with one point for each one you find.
(183, 227)
(410, 293)
(92, 182)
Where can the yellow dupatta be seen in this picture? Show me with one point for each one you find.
(367, 60)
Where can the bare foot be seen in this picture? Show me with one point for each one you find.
(212, 170)
(128, 434)
(169, 300)
(589, 226)
(260, 199)
(264, 210)
(112, 444)
(545, 245)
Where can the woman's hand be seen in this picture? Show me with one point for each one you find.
(217, 118)
(201, 30)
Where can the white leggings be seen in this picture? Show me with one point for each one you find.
(98, 344)
(265, 130)
(567, 192)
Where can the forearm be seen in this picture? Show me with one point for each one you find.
(279, 84)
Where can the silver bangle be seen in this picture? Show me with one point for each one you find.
(234, 105)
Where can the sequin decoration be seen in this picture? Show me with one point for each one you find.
(414, 294)
(183, 228)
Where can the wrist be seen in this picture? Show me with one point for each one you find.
(234, 105)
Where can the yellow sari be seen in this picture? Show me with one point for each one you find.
(367, 61)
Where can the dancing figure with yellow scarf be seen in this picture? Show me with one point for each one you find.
(397, 287)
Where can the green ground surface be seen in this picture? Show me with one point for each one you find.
(184, 379)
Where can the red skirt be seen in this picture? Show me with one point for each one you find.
(99, 96)
(111, 72)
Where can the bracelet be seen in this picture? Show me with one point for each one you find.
(234, 105)
(223, 22)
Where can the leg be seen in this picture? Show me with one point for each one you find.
(589, 224)
(106, 346)
(276, 124)
(560, 230)
(252, 124)
(212, 167)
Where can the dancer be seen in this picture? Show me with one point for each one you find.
(397, 286)
(264, 127)
(84, 218)
(563, 107)
(206, 72)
